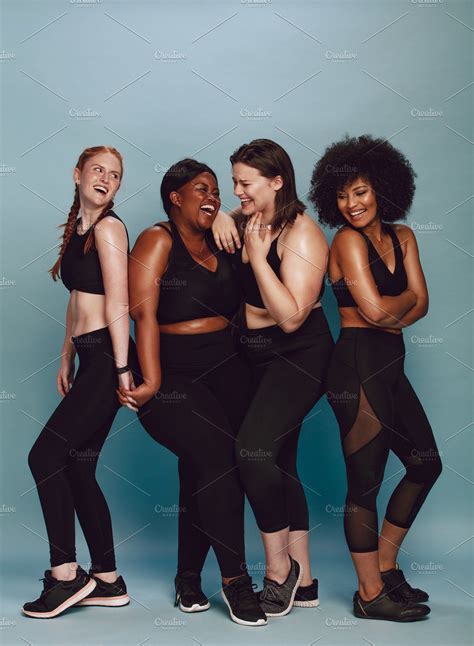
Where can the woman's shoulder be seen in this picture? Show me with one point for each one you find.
(305, 225)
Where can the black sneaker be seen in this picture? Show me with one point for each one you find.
(399, 587)
(58, 596)
(307, 595)
(106, 594)
(277, 599)
(384, 606)
(243, 603)
(189, 595)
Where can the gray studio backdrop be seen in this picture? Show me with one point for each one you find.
(165, 80)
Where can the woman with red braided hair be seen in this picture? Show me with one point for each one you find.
(93, 264)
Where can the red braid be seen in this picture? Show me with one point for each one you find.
(68, 231)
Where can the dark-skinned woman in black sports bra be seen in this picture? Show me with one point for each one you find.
(380, 288)
(285, 335)
(195, 388)
(92, 264)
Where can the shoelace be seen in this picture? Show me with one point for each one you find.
(405, 584)
(242, 591)
(270, 594)
(398, 593)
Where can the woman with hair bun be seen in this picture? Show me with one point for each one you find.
(92, 264)
(362, 186)
(195, 388)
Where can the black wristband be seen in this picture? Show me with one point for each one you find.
(123, 369)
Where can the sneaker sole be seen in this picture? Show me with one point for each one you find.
(110, 602)
(242, 622)
(196, 607)
(406, 620)
(83, 592)
(292, 600)
(314, 603)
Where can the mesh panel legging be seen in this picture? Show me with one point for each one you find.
(378, 410)
(204, 393)
(289, 371)
(64, 458)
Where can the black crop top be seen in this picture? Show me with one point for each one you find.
(82, 271)
(387, 283)
(249, 286)
(188, 290)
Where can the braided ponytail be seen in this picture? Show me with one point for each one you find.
(68, 231)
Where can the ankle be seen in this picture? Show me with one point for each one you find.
(64, 572)
(107, 577)
(385, 566)
(279, 571)
(226, 580)
(368, 592)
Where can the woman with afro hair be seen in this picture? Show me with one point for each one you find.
(362, 186)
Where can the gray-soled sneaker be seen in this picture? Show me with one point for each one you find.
(307, 596)
(277, 599)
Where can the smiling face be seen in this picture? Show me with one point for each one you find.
(198, 200)
(357, 203)
(99, 180)
(255, 192)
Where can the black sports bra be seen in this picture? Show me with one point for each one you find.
(188, 290)
(249, 286)
(82, 271)
(387, 283)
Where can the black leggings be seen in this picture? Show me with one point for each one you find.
(64, 458)
(289, 372)
(378, 410)
(204, 393)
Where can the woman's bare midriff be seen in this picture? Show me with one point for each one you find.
(88, 312)
(257, 317)
(195, 326)
(350, 317)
